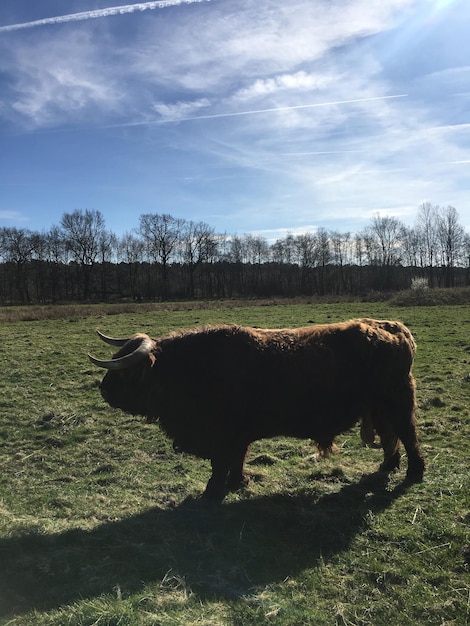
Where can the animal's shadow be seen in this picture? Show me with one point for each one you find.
(228, 550)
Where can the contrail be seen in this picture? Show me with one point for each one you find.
(301, 154)
(291, 108)
(257, 111)
(90, 15)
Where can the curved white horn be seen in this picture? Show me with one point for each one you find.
(112, 341)
(142, 350)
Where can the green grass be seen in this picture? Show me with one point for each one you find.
(100, 521)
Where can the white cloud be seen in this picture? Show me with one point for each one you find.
(12, 216)
(298, 81)
(273, 234)
(239, 43)
(59, 80)
(180, 110)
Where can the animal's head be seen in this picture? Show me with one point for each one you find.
(125, 385)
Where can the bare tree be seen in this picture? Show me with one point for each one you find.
(57, 257)
(83, 232)
(389, 234)
(427, 238)
(161, 234)
(322, 237)
(307, 250)
(56, 246)
(284, 256)
(324, 250)
(411, 247)
(130, 251)
(198, 245)
(307, 254)
(283, 251)
(368, 247)
(257, 249)
(466, 257)
(342, 250)
(451, 237)
(107, 253)
(237, 250)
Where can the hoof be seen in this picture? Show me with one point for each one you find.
(415, 470)
(213, 495)
(389, 468)
(414, 477)
(391, 464)
(238, 483)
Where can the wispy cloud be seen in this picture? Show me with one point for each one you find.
(57, 80)
(13, 216)
(106, 12)
(180, 110)
(298, 81)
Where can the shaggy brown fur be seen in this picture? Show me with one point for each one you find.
(368, 433)
(215, 390)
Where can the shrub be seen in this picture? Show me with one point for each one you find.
(418, 283)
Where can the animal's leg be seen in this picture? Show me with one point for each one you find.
(408, 435)
(391, 448)
(398, 421)
(367, 430)
(215, 488)
(404, 424)
(390, 445)
(236, 478)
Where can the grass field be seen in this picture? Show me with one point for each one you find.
(100, 521)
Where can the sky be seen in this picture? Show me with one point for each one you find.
(265, 117)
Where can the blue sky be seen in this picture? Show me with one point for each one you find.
(255, 116)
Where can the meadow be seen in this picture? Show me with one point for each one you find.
(100, 521)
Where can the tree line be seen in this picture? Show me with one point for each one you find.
(167, 257)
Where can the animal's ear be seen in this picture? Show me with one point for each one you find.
(152, 359)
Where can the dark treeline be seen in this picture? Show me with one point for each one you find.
(166, 257)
